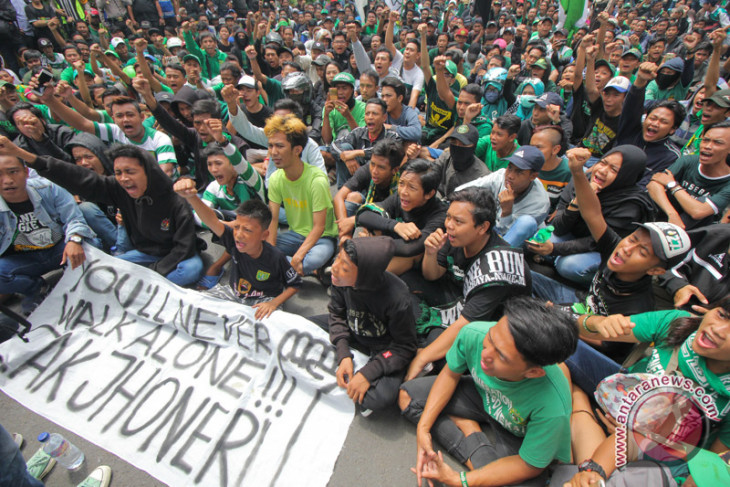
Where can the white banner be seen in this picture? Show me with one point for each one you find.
(190, 388)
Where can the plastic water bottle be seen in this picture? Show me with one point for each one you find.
(543, 235)
(62, 450)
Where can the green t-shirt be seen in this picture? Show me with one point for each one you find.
(713, 191)
(486, 153)
(677, 92)
(338, 121)
(555, 180)
(303, 197)
(272, 87)
(654, 327)
(537, 410)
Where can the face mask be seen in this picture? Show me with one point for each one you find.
(527, 101)
(462, 157)
(491, 96)
(664, 81)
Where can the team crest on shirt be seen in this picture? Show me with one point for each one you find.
(516, 417)
(165, 225)
(262, 276)
(243, 286)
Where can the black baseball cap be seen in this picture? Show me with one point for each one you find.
(466, 134)
(549, 98)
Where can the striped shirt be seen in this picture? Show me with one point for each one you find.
(247, 176)
(153, 141)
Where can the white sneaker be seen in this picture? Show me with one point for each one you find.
(99, 477)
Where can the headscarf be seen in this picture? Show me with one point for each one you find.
(525, 103)
(623, 201)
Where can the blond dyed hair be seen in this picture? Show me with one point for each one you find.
(289, 125)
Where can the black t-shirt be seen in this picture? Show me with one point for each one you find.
(600, 129)
(360, 181)
(608, 294)
(45, 13)
(484, 281)
(266, 276)
(30, 233)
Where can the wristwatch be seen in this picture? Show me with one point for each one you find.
(76, 239)
(670, 185)
(591, 466)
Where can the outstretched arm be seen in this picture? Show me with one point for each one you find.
(586, 198)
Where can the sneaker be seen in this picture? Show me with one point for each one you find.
(40, 464)
(99, 477)
(18, 439)
(366, 412)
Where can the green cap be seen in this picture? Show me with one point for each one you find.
(541, 63)
(109, 52)
(632, 52)
(451, 67)
(193, 57)
(344, 78)
(86, 71)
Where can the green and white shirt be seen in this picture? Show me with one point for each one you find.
(153, 141)
(249, 183)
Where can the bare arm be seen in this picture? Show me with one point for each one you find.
(390, 32)
(437, 349)
(140, 45)
(274, 225)
(442, 88)
(713, 66)
(425, 60)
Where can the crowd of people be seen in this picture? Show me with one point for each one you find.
(503, 200)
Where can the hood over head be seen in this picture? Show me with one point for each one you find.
(95, 145)
(185, 95)
(373, 257)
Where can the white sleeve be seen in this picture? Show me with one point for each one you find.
(312, 156)
(397, 63)
(246, 130)
(361, 57)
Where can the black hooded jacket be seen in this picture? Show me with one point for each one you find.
(376, 314)
(158, 223)
(53, 144)
(98, 147)
(623, 202)
(188, 96)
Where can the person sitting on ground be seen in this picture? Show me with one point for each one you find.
(261, 276)
(377, 180)
(342, 113)
(673, 79)
(303, 191)
(692, 346)
(501, 143)
(523, 201)
(458, 165)
(401, 117)
(37, 135)
(159, 223)
(42, 228)
(515, 387)
(555, 174)
(90, 152)
(352, 150)
(548, 110)
(622, 283)
(695, 190)
(370, 310)
(653, 135)
(703, 276)
(409, 216)
(614, 178)
(469, 246)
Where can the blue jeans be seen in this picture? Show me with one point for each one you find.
(187, 272)
(522, 228)
(550, 290)
(322, 251)
(13, 470)
(343, 174)
(579, 268)
(588, 367)
(21, 272)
